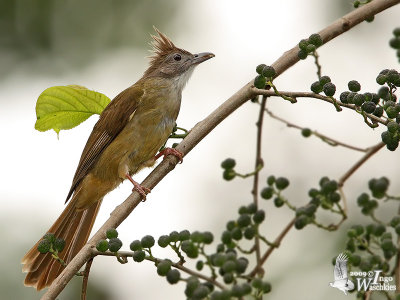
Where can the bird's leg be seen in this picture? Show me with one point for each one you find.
(168, 151)
(143, 191)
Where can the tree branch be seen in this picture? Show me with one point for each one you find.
(202, 129)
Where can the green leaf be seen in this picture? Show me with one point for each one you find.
(65, 107)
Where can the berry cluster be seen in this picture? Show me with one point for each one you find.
(228, 165)
(51, 244)
(264, 73)
(112, 243)
(378, 188)
(275, 186)
(308, 46)
(324, 84)
(325, 197)
(395, 41)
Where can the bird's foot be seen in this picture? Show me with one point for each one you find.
(143, 191)
(170, 151)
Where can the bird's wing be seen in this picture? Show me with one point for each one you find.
(112, 120)
(340, 271)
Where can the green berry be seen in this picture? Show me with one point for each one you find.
(395, 221)
(375, 98)
(219, 260)
(310, 48)
(259, 216)
(257, 283)
(244, 220)
(135, 245)
(378, 112)
(379, 230)
(356, 4)
(343, 96)
(208, 237)
(396, 31)
(383, 92)
(226, 237)
(184, 235)
(369, 107)
(302, 54)
(354, 86)
(196, 237)
(138, 255)
(329, 89)
(266, 287)
(391, 112)
(395, 43)
(242, 210)
(278, 202)
(281, 183)
(315, 39)
(267, 193)
(268, 71)
(230, 225)
(316, 87)
(237, 234)
(228, 278)
(59, 245)
(191, 250)
(370, 19)
(271, 180)
(102, 245)
(359, 229)
(329, 186)
(393, 127)
(50, 237)
(191, 284)
(147, 241)
(260, 81)
(241, 265)
(358, 99)
(251, 208)
(229, 266)
(174, 236)
(237, 291)
(44, 246)
(303, 44)
(163, 241)
(363, 199)
(229, 174)
(350, 97)
(306, 132)
(355, 260)
(112, 233)
(324, 80)
(249, 233)
(163, 267)
(228, 163)
(301, 222)
(114, 244)
(259, 68)
(397, 229)
(381, 79)
(173, 276)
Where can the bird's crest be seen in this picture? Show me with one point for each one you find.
(161, 46)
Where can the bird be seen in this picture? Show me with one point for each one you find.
(342, 282)
(126, 138)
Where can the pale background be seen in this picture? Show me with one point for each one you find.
(104, 49)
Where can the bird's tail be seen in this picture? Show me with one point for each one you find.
(73, 226)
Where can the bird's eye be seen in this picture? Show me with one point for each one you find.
(177, 57)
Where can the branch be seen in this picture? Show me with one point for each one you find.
(296, 95)
(202, 129)
(258, 162)
(276, 244)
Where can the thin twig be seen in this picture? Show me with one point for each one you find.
(326, 139)
(202, 129)
(296, 95)
(276, 244)
(371, 151)
(86, 278)
(258, 161)
(156, 260)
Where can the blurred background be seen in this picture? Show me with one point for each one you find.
(103, 45)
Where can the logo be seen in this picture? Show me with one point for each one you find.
(342, 281)
(366, 281)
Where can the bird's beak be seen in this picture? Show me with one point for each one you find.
(199, 58)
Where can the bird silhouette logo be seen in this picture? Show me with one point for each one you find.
(342, 282)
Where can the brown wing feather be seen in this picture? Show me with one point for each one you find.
(112, 120)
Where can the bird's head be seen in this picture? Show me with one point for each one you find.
(169, 61)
